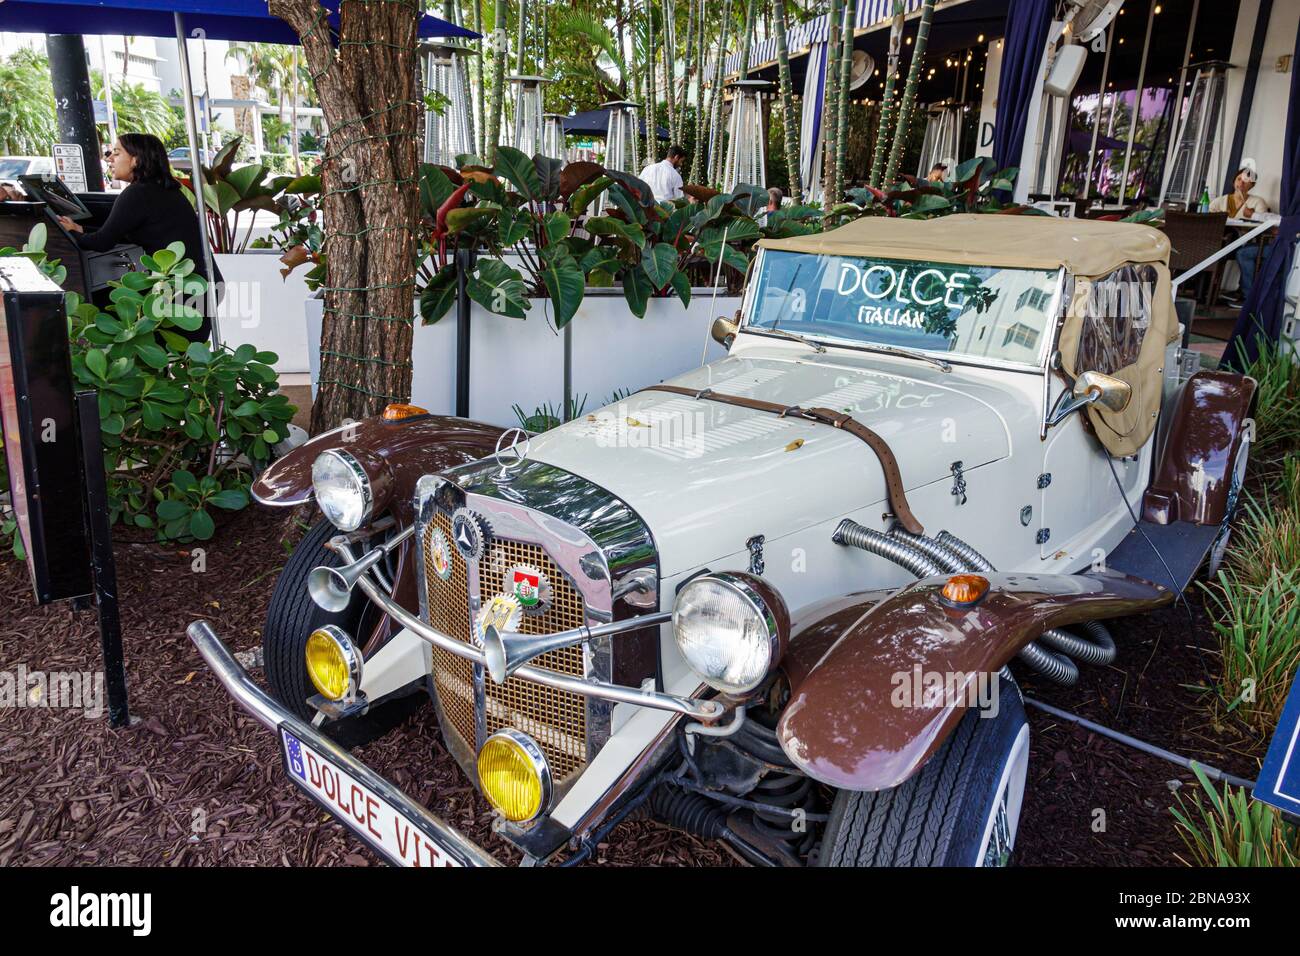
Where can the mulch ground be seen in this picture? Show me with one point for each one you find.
(195, 782)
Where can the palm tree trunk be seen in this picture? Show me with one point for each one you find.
(788, 125)
(842, 107)
(497, 103)
(909, 91)
(886, 119)
(830, 188)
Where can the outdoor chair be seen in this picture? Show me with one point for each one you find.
(1193, 237)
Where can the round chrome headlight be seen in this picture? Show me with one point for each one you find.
(342, 489)
(731, 628)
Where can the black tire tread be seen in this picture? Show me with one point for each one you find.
(292, 615)
(911, 824)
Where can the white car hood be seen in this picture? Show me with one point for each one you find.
(705, 476)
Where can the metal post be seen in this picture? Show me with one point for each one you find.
(102, 566)
(464, 263)
(566, 412)
(1177, 125)
(1101, 103)
(196, 173)
(1137, 107)
(73, 103)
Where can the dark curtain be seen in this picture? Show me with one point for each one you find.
(1261, 314)
(1022, 55)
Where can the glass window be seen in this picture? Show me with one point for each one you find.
(976, 311)
(1116, 314)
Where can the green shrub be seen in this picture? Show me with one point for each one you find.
(184, 426)
(1277, 402)
(1234, 830)
(1259, 634)
(1267, 534)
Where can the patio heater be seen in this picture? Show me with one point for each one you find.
(527, 130)
(553, 136)
(746, 143)
(450, 133)
(620, 142)
(1200, 137)
(942, 139)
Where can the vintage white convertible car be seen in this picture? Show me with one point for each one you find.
(779, 600)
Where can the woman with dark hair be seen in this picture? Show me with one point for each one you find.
(151, 212)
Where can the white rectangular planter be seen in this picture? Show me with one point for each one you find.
(261, 308)
(521, 361)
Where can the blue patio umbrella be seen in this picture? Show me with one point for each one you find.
(247, 21)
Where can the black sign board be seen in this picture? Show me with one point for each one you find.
(38, 410)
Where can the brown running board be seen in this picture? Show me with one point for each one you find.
(826, 416)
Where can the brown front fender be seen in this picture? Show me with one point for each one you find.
(842, 725)
(408, 448)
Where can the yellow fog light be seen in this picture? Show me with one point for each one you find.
(514, 775)
(333, 663)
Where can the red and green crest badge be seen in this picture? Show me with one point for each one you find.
(530, 587)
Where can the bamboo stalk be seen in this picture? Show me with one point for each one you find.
(788, 126)
(909, 91)
(717, 135)
(480, 95)
(842, 108)
(830, 188)
(497, 103)
(886, 119)
(697, 160)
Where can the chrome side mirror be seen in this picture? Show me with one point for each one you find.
(724, 331)
(1090, 388)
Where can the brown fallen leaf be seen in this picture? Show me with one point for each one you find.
(794, 445)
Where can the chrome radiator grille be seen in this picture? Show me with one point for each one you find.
(557, 720)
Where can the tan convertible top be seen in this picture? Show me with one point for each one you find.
(1085, 247)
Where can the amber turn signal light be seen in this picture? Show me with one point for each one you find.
(399, 410)
(964, 590)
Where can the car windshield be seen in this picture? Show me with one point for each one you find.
(983, 312)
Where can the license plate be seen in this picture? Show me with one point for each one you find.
(403, 839)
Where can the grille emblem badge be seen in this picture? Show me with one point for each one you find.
(502, 612)
(470, 533)
(440, 554)
(530, 587)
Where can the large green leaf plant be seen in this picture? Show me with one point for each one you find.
(184, 426)
(544, 231)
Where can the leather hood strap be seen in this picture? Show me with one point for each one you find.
(826, 416)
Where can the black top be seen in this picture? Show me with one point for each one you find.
(152, 217)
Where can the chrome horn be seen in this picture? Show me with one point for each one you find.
(331, 588)
(505, 652)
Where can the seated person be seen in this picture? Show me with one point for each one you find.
(1240, 204)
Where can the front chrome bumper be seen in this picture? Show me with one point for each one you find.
(706, 710)
(274, 716)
